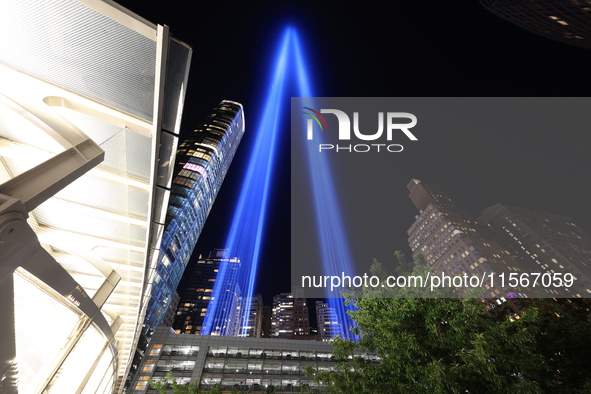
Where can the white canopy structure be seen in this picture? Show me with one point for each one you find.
(91, 97)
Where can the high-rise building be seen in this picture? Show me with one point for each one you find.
(567, 21)
(171, 311)
(449, 239)
(203, 159)
(290, 318)
(505, 242)
(554, 243)
(254, 323)
(90, 110)
(199, 295)
(266, 324)
(327, 320)
(422, 194)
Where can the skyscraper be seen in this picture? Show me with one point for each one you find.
(198, 296)
(450, 240)
(254, 323)
(266, 331)
(567, 21)
(507, 241)
(328, 322)
(554, 243)
(290, 317)
(203, 160)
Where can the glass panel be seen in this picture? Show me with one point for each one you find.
(79, 362)
(34, 352)
(179, 58)
(168, 145)
(60, 45)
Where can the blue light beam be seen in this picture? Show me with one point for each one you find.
(246, 233)
(245, 236)
(336, 257)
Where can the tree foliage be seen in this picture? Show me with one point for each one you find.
(452, 345)
(171, 384)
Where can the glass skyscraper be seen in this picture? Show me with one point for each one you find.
(202, 163)
(203, 160)
(198, 295)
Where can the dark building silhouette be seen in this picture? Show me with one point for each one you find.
(567, 21)
(266, 323)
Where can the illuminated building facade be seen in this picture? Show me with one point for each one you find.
(504, 240)
(197, 299)
(290, 318)
(254, 323)
(450, 240)
(567, 21)
(328, 322)
(242, 364)
(203, 161)
(90, 109)
(171, 311)
(553, 242)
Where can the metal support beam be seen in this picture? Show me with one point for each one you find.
(43, 181)
(103, 293)
(20, 247)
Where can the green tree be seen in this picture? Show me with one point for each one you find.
(270, 389)
(170, 383)
(452, 345)
(404, 266)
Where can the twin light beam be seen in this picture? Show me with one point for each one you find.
(246, 233)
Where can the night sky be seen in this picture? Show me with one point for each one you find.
(411, 49)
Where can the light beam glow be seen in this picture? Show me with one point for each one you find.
(335, 253)
(245, 236)
(246, 233)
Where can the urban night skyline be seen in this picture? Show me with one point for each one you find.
(111, 160)
(447, 50)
